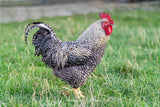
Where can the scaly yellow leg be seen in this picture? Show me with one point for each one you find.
(79, 92)
(75, 92)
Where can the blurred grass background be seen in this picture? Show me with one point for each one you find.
(128, 74)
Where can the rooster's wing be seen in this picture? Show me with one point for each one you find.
(72, 54)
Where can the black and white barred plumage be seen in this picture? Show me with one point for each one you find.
(71, 61)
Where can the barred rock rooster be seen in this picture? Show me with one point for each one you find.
(72, 61)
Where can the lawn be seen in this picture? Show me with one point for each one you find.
(128, 75)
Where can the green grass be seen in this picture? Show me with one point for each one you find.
(128, 75)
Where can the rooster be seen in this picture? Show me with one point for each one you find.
(72, 61)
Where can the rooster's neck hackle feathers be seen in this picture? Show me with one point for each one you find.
(94, 35)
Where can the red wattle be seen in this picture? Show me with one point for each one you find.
(108, 30)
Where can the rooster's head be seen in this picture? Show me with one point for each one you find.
(107, 23)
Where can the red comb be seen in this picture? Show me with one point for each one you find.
(104, 15)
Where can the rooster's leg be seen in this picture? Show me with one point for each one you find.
(75, 92)
(79, 92)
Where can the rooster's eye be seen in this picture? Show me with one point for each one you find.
(106, 23)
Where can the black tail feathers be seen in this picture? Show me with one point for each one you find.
(37, 22)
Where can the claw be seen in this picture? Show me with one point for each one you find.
(78, 93)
